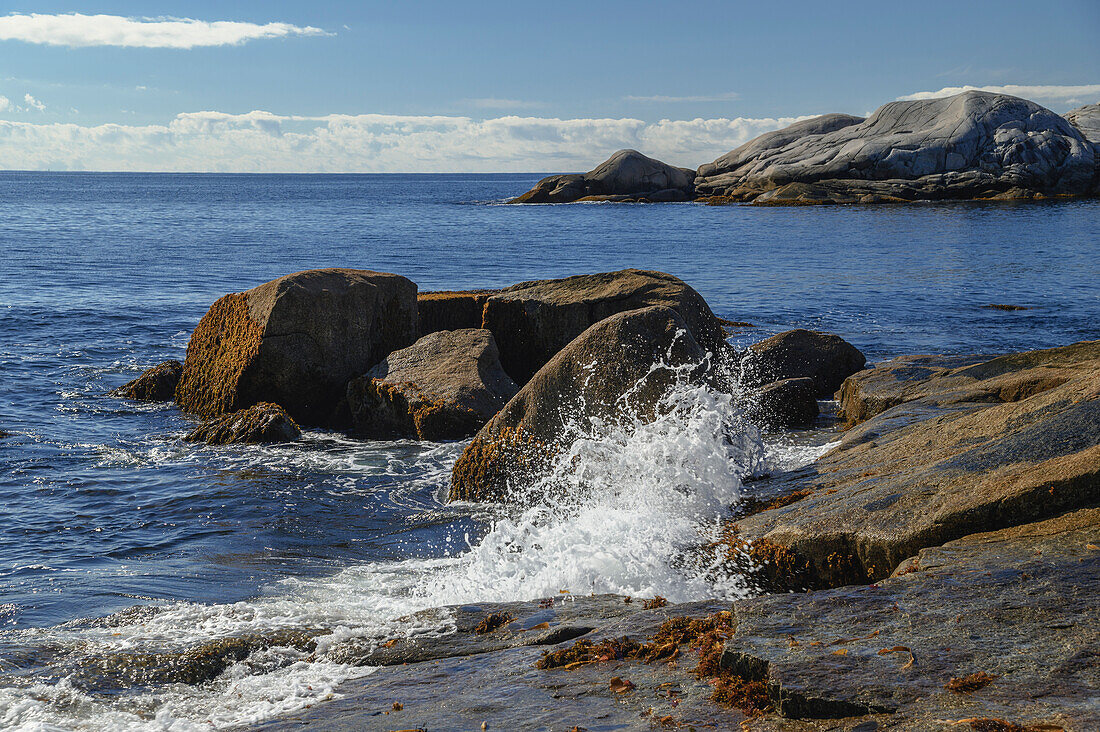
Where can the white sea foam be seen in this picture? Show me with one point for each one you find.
(618, 512)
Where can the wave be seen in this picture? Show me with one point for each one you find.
(620, 511)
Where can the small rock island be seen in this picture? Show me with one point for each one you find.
(971, 146)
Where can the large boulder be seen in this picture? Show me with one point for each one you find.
(588, 379)
(446, 386)
(532, 321)
(296, 341)
(157, 384)
(972, 145)
(802, 354)
(626, 175)
(976, 448)
(259, 423)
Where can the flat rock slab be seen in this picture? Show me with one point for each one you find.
(493, 679)
(1021, 605)
(996, 444)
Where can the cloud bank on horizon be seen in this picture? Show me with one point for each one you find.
(77, 30)
(1083, 93)
(259, 142)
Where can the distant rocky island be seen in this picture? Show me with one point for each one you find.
(972, 146)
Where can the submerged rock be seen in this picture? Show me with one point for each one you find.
(796, 354)
(977, 448)
(972, 145)
(609, 368)
(532, 321)
(446, 386)
(296, 341)
(261, 422)
(786, 404)
(157, 384)
(626, 175)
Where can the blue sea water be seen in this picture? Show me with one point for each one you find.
(103, 507)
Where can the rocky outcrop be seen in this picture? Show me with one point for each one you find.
(157, 384)
(532, 321)
(450, 310)
(796, 354)
(992, 626)
(588, 379)
(296, 341)
(261, 422)
(446, 386)
(944, 452)
(973, 145)
(1087, 120)
(625, 176)
(786, 404)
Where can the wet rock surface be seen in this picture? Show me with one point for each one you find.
(157, 384)
(263, 422)
(296, 341)
(446, 386)
(609, 367)
(1018, 605)
(795, 354)
(625, 176)
(532, 321)
(972, 145)
(462, 679)
(1008, 441)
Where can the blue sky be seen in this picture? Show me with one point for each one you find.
(493, 85)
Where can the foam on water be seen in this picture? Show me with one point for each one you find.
(619, 512)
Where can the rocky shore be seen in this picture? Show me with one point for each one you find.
(936, 569)
(972, 146)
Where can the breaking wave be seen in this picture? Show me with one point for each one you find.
(620, 511)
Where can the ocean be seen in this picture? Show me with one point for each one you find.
(116, 537)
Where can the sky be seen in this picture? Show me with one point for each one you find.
(322, 86)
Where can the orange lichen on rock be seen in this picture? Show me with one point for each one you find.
(489, 464)
(221, 349)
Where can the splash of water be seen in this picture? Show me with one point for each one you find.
(619, 511)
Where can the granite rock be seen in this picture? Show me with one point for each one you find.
(446, 386)
(626, 176)
(157, 384)
(972, 145)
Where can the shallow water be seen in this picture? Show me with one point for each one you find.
(103, 507)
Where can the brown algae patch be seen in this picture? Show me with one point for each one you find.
(493, 622)
(489, 464)
(221, 349)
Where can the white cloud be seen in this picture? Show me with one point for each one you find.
(33, 103)
(1035, 93)
(660, 99)
(78, 30)
(264, 142)
(5, 103)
